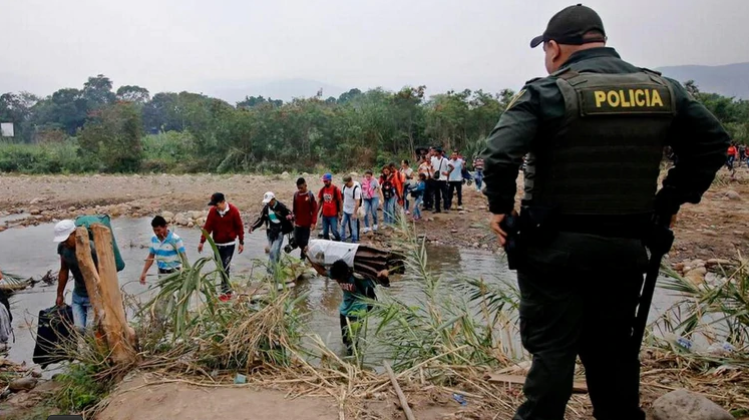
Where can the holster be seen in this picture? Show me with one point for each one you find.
(535, 224)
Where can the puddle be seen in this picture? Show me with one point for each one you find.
(31, 252)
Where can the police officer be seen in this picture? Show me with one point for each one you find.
(594, 131)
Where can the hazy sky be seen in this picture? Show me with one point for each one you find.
(181, 44)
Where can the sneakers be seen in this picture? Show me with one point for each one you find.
(366, 230)
(374, 229)
(460, 207)
(408, 212)
(225, 297)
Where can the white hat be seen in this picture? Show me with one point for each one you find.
(63, 230)
(268, 197)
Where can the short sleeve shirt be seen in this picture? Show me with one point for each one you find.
(68, 256)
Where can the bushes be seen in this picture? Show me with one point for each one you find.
(50, 158)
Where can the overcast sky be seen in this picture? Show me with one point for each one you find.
(175, 45)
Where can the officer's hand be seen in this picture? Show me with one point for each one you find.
(494, 223)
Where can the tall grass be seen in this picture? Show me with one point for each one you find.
(46, 158)
(717, 311)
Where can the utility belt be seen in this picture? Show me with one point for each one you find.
(539, 225)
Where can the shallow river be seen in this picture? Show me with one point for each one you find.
(30, 252)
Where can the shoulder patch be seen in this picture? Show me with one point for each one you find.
(657, 73)
(516, 97)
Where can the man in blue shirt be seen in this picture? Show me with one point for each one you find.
(166, 249)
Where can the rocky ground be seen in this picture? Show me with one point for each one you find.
(717, 228)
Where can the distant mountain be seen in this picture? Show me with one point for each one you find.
(286, 90)
(728, 80)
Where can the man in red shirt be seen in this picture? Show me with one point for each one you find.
(224, 224)
(331, 207)
(304, 208)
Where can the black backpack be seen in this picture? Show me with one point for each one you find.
(388, 189)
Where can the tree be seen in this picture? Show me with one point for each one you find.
(133, 93)
(253, 101)
(348, 96)
(113, 138)
(17, 108)
(98, 91)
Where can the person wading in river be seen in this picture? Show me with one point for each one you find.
(353, 306)
(168, 250)
(83, 313)
(277, 220)
(304, 208)
(224, 224)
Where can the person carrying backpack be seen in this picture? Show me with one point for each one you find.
(304, 209)
(277, 219)
(389, 195)
(418, 194)
(351, 193)
(331, 207)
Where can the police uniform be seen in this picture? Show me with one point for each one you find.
(594, 134)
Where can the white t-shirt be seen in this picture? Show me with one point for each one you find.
(440, 164)
(350, 197)
(408, 173)
(457, 173)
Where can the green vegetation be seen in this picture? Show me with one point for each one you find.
(96, 129)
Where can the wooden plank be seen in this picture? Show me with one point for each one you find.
(401, 396)
(90, 274)
(118, 333)
(577, 387)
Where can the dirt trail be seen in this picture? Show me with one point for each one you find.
(134, 400)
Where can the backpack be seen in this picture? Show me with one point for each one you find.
(367, 190)
(353, 194)
(293, 203)
(103, 219)
(388, 189)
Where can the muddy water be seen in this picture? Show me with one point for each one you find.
(30, 252)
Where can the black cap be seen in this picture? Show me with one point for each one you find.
(570, 25)
(216, 198)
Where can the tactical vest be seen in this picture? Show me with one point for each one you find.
(604, 158)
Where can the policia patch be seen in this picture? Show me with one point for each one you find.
(644, 93)
(631, 100)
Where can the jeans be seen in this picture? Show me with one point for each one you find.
(454, 185)
(83, 312)
(226, 253)
(389, 210)
(275, 241)
(417, 210)
(440, 195)
(330, 224)
(370, 208)
(352, 224)
(301, 237)
(479, 178)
